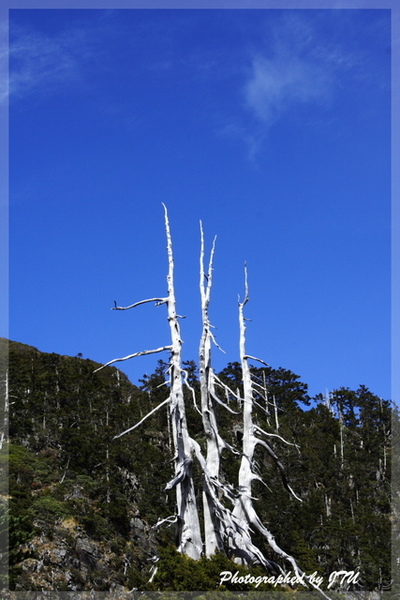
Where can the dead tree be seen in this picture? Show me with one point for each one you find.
(186, 517)
(230, 518)
(212, 536)
(218, 523)
(244, 511)
(189, 534)
(230, 530)
(5, 410)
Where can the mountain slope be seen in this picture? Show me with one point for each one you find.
(83, 505)
(81, 499)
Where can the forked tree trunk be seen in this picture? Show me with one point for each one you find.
(226, 529)
(212, 538)
(219, 526)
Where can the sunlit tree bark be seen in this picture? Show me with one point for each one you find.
(230, 518)
(244, 512)
(217, 518)
(186, 517)
(189, 536)
(212, 537)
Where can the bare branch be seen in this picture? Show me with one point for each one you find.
(226, 387)
(215, 397)
(185, 373)
(275, 435)
(158, 302)
(224, 444)
(144, 419)
(180, 476)
(255, 358)
(215, 341)
(280, 467)
(260, 406)
(202, 273)
(170, 520)
(143, 353)
(206, 288)
(257, 477)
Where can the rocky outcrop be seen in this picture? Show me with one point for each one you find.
(66, 558)
(78, 500)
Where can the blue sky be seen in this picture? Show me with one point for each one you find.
(272, 126)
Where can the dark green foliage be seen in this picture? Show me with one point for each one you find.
(46, 508)
(68, 476)
(177, 572)
(341, 472)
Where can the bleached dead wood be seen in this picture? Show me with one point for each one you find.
(244, 509)
(213, 527)
(187, 519)
(230, 518)
(142, 420)
(189, 535)
(157, 301)
(142, 353)
(4, 425)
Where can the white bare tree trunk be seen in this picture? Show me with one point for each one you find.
(244, 510)
(212, 538)
(4, 427)
(226, 529)
(189, 539)
(217, 518)
(189, 535)
(219, 526)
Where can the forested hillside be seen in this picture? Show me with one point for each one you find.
(83, 505)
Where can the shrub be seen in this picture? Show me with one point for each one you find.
(47, 507)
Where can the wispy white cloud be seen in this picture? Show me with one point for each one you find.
(43, 62)
(3, 62)
(288, 74)
(35, 59)
(305, 61)
(277, 84)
